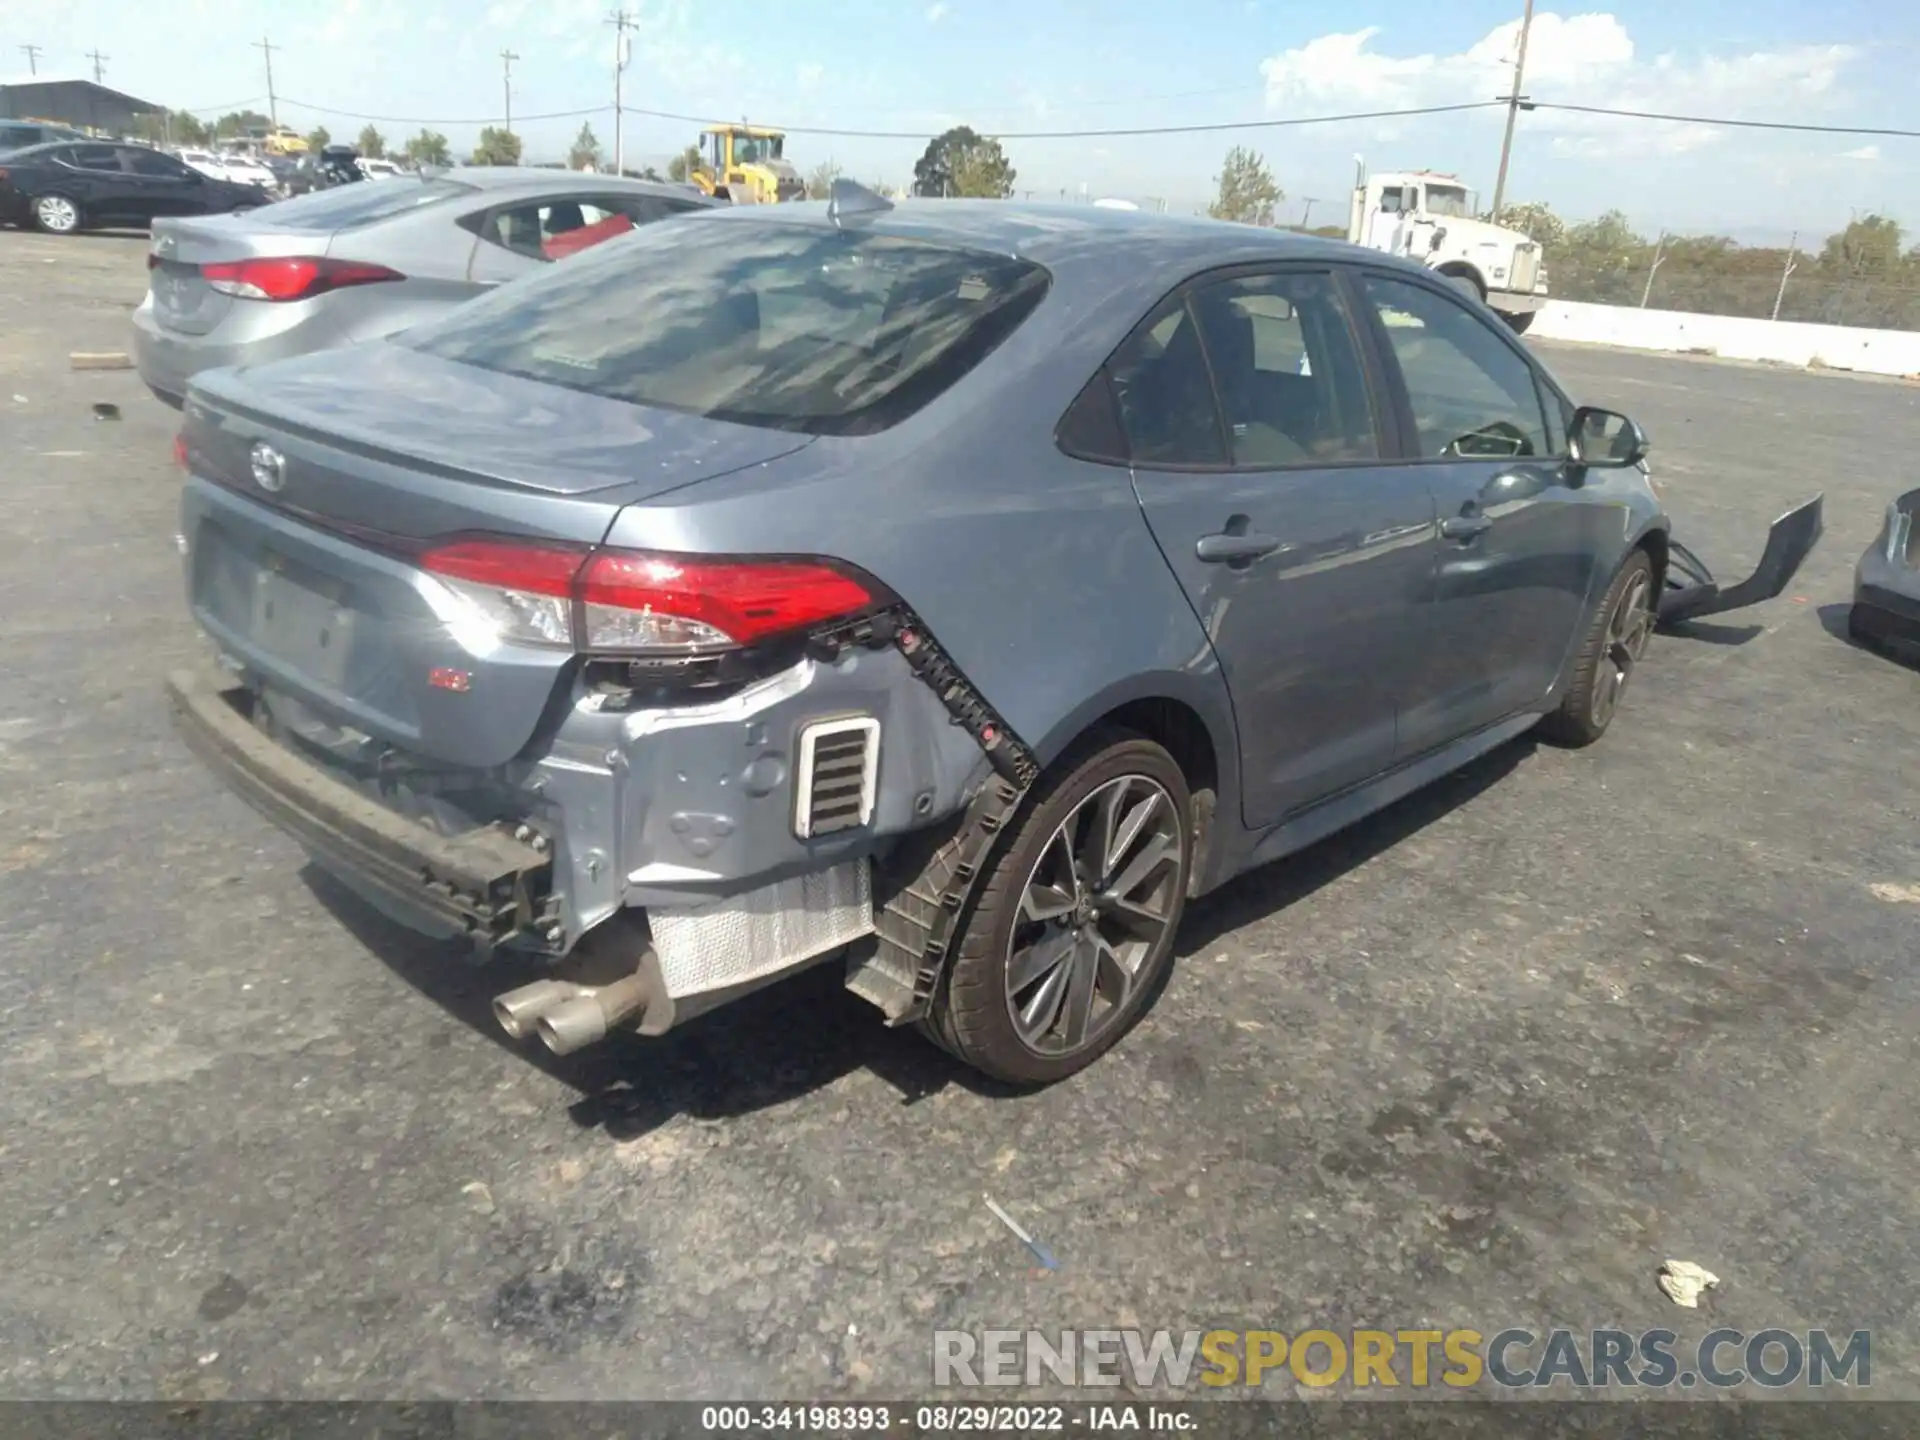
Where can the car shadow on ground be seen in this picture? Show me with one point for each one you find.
(778, 1044)
(1833, 620)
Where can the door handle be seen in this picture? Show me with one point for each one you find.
(1464, 527)
(1228, 548)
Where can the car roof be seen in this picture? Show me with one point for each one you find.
(534, 177)
(1072, 240)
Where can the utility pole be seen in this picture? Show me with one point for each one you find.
(32, 52)
(1792, 246)
(99, 66)
(1515, 101)
(266, 47)
(507, 57)
(622, 22)
(1307, 214)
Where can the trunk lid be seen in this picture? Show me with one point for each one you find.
(372, 452)
(183, 301)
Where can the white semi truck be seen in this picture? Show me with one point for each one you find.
(1428, 217)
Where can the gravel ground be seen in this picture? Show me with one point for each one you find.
(1485, 1060)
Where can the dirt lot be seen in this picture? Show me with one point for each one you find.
(1486, 1060)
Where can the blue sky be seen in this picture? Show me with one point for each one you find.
(1010, 66)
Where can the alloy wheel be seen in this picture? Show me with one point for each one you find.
(1094, 910)
(1629, 628)
(57, 213)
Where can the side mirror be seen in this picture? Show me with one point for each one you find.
(1605, 440)
(1439, 234)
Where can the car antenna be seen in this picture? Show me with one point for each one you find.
(849, 200)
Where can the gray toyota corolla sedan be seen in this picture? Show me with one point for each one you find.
(354, 263)
(950, 591)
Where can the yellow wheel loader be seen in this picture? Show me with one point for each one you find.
(746, 164)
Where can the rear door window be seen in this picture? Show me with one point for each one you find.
(552, 228)
(93, 157)
(1288, 373)
(151, 162)
(768, 323)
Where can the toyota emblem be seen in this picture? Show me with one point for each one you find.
(269, 466)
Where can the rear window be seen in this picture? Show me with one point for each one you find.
(351, 206)
(828, 332)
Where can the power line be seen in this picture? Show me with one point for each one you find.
(1118, 132)
(1108, 133)
(1730, 124)
(432, 120)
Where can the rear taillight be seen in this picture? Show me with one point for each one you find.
(632, 602)
(180, 450)
(291, 277)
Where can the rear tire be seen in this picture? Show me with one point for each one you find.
(1617, 637)
(56, 214)
(1519, 323)
(1464, 283)
(1072, 932)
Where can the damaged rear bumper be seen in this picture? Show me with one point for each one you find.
(1692, 592)
(485, 884)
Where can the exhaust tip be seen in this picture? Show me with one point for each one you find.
(518, 1011)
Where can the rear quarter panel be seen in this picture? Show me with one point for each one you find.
(1035, 571)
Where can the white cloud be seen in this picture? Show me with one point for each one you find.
(1574, 59)
(937, 12)
(1865, 152)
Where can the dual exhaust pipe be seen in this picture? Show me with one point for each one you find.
(568, 1016)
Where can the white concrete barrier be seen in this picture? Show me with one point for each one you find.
(1836, 347)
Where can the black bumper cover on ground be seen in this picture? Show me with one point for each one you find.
(1692, 592)
(486, 883)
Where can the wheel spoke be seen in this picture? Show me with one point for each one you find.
(1128, 832)
(1042, 1012)
(1078, 1011)
(1138, 918)
(1046, 902)
(1155, 853)
(1047, 953)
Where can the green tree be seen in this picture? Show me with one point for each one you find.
(178, 127)
(1247, 191)
(963, 162)
(429, 147)
(1536, 221)
(497, 146)
(682, 166)
(820, 182)
(236, 123)
(372, 144)
(319, 138)
(585, 154)
(1869, 245)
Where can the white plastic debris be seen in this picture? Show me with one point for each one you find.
(1682, 1282)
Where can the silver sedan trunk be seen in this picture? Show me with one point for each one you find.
(343, 266)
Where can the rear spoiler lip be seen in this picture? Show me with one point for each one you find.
(1692, 593)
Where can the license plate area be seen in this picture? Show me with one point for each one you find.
(303, 619)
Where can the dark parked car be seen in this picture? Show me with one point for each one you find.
(958, 587)
(66, 187)
(1886, 583)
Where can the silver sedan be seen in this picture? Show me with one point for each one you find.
(359, 262)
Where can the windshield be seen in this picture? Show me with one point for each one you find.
(823, 331)
(1446, 200)
(757, 149)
